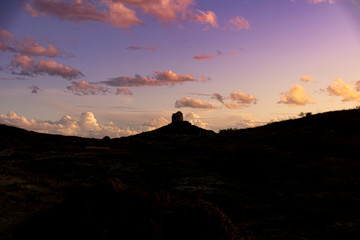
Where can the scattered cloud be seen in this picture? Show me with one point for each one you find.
(152, 48)
(296, 96)
(5, 35)
(202, 57)
(159, 78)
(195, 119)
(238, 23)
(306, 79)
(35, 89)
(192, 103)
(344, 90)
(29, 67)
(86, 126)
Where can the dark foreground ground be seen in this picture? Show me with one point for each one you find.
(297, 179)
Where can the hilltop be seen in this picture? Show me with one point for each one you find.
(295, 179)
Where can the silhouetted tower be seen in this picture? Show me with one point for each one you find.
(177, 117)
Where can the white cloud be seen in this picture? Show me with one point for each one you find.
(192, 103)
(87, 126)
(195, 119)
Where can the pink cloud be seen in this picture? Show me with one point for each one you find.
(28, 46)
(208, 17)
(31, 48)
(296, 96)
(202, 57)
(344, 90)
(192, 103)
(159, 78)
(5, 35)
(152, 48)
(238, 23)
(30, 67)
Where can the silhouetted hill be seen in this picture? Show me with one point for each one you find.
(295, 179)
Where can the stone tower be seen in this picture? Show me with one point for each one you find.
(177, 117)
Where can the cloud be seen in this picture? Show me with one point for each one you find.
(242, 98)
(321, 1)
(192, 103)
(218, 97)
(159, 78)
(86, 126)
(208, 17)
(123, 91)
(28, 46)
(84, 88)
(5, 35)
(195, 119)
(82, 11)
(238, 23)
(34, 89)
(296, 96)
(29, 67)
(156, 123)
(233, 53)
(202, 57)
(121, 13)
(306, 79)
(152, 48)
(344, 90)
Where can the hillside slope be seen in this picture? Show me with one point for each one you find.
(296, 179)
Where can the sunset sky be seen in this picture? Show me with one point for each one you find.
(119, 67)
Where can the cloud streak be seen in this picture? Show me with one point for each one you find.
(159, 78)
(203, 57)
(238, 23)
(152, 48)
(117, 14)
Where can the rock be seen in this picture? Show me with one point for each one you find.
(177, 117)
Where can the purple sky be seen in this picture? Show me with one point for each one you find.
(118, 67)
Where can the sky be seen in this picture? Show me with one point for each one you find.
(96, 68)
